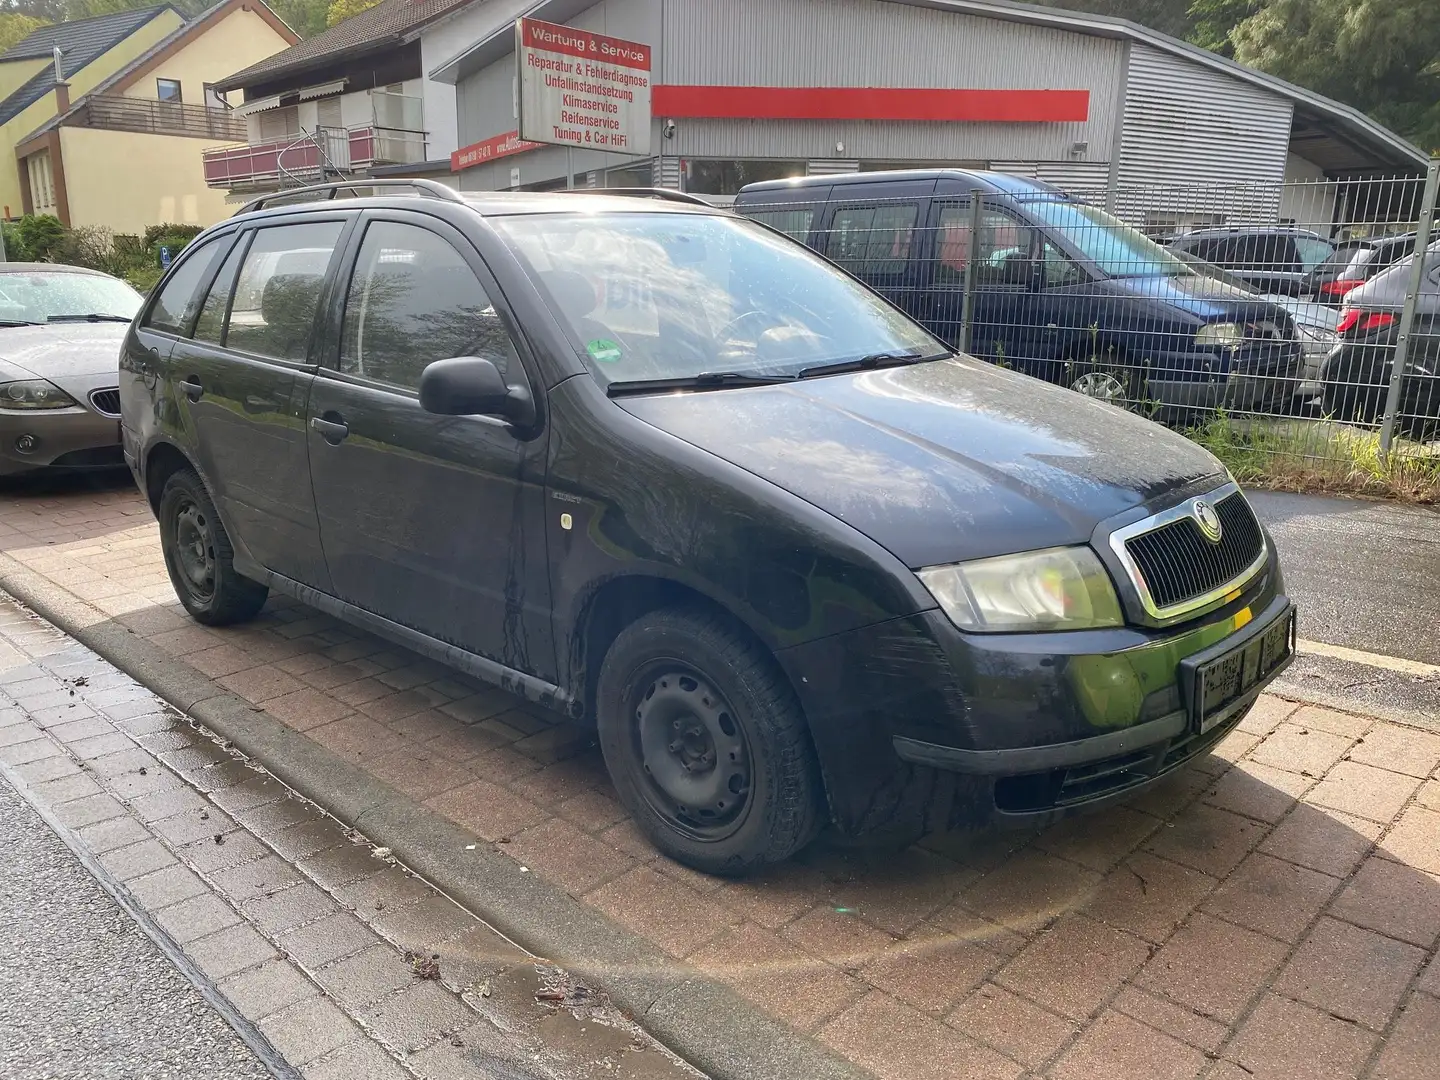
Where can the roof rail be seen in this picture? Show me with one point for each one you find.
(322, 192)
(668, 194)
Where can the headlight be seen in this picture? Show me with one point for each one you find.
(1055, 589)
(1226, 334)
(33, 394)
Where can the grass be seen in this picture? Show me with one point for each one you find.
(1320, 456)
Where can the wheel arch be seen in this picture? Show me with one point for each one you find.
(162, 461)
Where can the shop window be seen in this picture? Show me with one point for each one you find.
(728, 177)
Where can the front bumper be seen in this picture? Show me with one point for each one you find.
(74, 439)
(1256, 379)
(1026, 727)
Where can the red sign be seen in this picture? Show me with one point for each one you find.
(554, 38)
(869, 103)
(490, 150)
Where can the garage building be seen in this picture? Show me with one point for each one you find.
(748, 90)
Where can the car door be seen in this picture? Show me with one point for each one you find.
(433, 522)
(878, 241)
(241, 381)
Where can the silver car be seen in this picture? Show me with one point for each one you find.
(61, 328)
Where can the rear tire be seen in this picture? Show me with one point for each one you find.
(706, 744)
(200, 557)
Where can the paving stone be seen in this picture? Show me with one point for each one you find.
(893, 1040)
(417, 1017)
(188, 827)
(251, 879)
(389, 889)
(1396, 900)
(115, 833)
(674, 917)
(780, 978)
(334, 867)
(22, 753)
(1208, 839)
(1118, 1048)
(931, 971)
(99, 746)
(195, 918)
(1284, 1040)
(1258, 791)
(1075, 966)
(1184, 1024)
(234, 849)
(1014, 1026)
(307, 1030)
(362, 979)
(571, 858)
(1213, 967)
(422, 926)
(1149, 896)
(1099, 841)
(76, 785)
(1415, 840)
(1410, 1052)
(1316, 717)
(487, 810)
(323, 942)
(1351, 973)
(1364, 791)
(230, 950)
(1301, 749)
(1274, 897)
(1320, 839)
(167, 886)
(306, 839)
(288, 908)
(1399, 749)
(136, 860)
(359, 1059)
(842, 938)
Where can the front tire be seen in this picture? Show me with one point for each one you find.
(200, 557)
(706, 744)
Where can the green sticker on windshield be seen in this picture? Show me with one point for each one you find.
(604, 351)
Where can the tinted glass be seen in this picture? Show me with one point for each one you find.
(413, 300)
(1005, 247)
(1313, 252)
(210, 326)
(174, 309)
(278, 290)
(36, 296)
(793, 223)
(664, 295)
(871, 240)
(1114, 247)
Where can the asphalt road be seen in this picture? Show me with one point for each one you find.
(84, 993)
(1365, 575)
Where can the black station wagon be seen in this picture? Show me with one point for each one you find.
(663, 470)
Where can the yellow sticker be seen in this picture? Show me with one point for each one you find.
(1243, 617)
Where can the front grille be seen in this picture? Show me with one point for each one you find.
(106, 401)
(1178, 563)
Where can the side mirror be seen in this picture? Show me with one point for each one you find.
(473, 386)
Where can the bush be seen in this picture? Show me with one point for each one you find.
(174, 237)
(41, 236)
(136, 259)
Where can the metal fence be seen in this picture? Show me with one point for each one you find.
(1287, 317)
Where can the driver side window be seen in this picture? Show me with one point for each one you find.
(414, 300)
(1006, 248)
(1059, 270)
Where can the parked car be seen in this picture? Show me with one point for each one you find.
(1315, 324)
(1358, 371)
(1355, 263)
(1064, 291)
(60, 333)
(1271, 259)
(663, 470)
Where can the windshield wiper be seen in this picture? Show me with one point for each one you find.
(94, 316)
(868, 363)
(17, 322)
(706, 380)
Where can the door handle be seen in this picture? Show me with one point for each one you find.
(192, 388)
(332, 431)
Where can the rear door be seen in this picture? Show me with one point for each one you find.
(433, 522)
(875, 231)
(241, 381)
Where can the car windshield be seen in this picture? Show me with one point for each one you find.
(648, 296)
(40, 295)
(1114, 247)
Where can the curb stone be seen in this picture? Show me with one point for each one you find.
(697, 1017)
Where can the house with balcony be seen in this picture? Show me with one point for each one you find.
(344, 104)
(107, 118)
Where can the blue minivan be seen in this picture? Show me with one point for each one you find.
(1063, 290)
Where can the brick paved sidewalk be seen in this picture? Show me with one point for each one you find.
(1272, 911)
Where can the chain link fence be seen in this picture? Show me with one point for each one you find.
(1272, 320)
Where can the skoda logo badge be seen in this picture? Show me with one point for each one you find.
(1209, 521)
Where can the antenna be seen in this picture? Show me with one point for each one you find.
(59, 74)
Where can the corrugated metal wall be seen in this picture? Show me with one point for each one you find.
(871, 43)
(1188, 126)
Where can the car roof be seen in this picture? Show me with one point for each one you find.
(1210, 231)
(993, 182)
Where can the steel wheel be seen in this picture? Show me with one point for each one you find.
(1102, 386)
(695, 758)
(195, 550)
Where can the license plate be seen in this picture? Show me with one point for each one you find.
(1221, 681)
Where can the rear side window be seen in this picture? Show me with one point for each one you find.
(174, 309)
(873, 240)
(277, 292)
(210, 326)
(793, 223)
(414, 300)
(1004, 244)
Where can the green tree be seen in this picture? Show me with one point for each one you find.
(305, 17)
(15, 27)
(1381, 56)
(340, 10)
(1213, 21)
(1168, 16)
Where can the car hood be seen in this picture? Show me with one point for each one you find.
(1203, 297)
(62, 351)
(943, 461)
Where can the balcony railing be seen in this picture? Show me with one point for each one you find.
(299, 157)
(111, 112)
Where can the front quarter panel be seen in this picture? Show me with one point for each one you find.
(642, 503)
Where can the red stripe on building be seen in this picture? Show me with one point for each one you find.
(490, 150)
(866, 103)
(554, 38)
